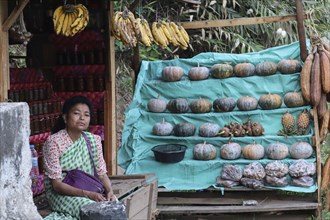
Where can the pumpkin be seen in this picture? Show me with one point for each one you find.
(200, 106)
(184, 129)
(178, 105)
(204, 151)
(222, 71)
(172, 73)
(247, 103)
(301, 150)
(230, 151)
(277, 151)
(270, 101)
(162, 128)
(253, 151)
(224, 104)
(244, 69)
(266, 68)
(209, 130)
(198, 73)
(157, 105)
(293, 99)
(289, 66)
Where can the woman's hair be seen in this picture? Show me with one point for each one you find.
(67, 106)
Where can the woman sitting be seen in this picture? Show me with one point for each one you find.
(66, 149)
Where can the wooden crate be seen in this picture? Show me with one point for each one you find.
(138, 193)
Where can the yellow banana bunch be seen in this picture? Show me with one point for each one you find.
(70, 19)
(179, 37)
(159, 36)
(142, 33)
(124, 28)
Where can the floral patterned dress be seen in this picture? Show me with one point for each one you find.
(61, 154)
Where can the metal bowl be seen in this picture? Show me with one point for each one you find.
(169, 153)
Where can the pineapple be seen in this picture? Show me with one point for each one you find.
(288, 121)
(303, 122)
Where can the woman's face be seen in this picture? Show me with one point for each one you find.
(78, 118)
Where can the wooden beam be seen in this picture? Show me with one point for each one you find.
(4, 53)
(237, 21)
(14, 15)
(110, 117)
(301, 30)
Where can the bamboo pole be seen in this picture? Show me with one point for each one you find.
(110, 117)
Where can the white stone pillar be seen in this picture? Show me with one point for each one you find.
(16, 200)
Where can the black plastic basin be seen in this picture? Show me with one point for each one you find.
(169, 153)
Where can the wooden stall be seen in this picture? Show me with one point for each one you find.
(46, 51)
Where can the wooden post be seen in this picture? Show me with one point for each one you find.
(301, 30)
(4, 53)
(318, 163)
(110, 117)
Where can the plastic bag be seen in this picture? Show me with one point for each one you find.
(276, 169)
(110, 210)
(254, 171)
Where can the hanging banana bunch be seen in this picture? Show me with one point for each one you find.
(131, 30)
(70, 19)
(124, 28)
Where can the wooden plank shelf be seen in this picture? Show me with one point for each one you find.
(214, 202)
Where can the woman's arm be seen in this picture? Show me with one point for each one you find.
(65, 189)
(108, 188)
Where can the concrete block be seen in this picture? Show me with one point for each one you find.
(16, 200)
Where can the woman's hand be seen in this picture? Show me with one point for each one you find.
(110, 196)
(98, 197)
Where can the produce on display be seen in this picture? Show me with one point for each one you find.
(305, 77)
(184, 129)
(288, 122)
(294, 99)
(266, 68)
(200, 106)
(301, 150)
(230, 151)
(222, 71)
(130, 30)
(231, 172)
(270, 101)
(178, 105)
(70, 19)
(162, 128)
(247, 103)
(208, 130)
(277, 151)
(244, 69)
(204, 151)
(322, 108)
(303, 122)
(226, 104)
(157, 105)
(172, 73)
(276, 181)
(253, 151)
(253, 175)
(276, 169)
(198, 73)
(302, 173)
(289, 66)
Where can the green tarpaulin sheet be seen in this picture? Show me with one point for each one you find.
(135, 154)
